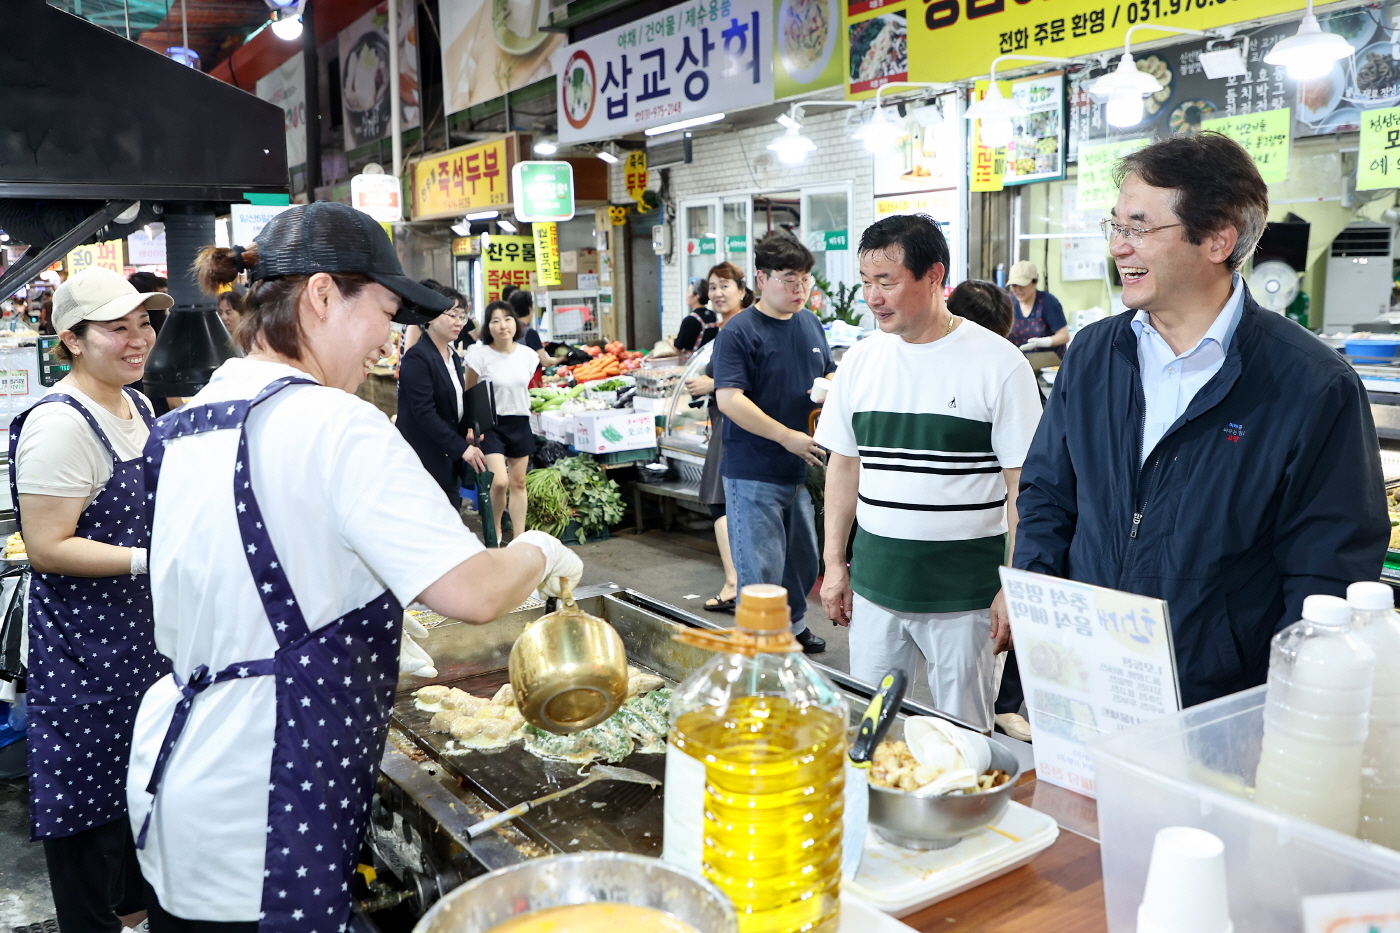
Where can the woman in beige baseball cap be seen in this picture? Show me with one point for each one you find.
(77, 475)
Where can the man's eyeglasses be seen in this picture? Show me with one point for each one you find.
(795, 283)
(1134, 235)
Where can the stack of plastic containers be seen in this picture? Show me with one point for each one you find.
(1375, 623)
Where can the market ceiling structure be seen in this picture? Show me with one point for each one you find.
(215, 27)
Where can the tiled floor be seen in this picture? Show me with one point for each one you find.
(24, 881)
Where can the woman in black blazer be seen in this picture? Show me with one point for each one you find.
(431, 404)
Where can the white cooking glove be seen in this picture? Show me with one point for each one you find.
(559, 562)
(412, 658)
(1036, 343)
(138, 561)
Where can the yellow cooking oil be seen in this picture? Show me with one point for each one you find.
(755, 773)
(774, 779)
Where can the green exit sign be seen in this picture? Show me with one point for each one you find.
(543, 192)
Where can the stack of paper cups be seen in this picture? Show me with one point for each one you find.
(1185, 884)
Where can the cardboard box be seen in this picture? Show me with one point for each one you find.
(568, 281)
(605, 432)
(536, 426)
(557, 426)
(578, 260)
(653, 406)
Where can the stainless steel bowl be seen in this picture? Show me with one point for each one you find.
(583, 878)
(940, 822)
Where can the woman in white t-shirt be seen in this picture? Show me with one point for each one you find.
(77, 474)
(290, 523)
(509, 365)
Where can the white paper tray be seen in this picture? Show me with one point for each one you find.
(857, 916)
(900, 881)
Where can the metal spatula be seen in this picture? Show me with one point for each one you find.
(599, 773)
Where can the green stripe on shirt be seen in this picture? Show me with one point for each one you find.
(950, 576)
(920, 431)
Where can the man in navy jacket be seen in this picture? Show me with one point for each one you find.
(1198, 448)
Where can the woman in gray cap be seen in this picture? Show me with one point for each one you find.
(77, 474)
(291, 522)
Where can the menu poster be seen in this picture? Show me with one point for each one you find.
(1037, 148)
(1333, 103)
(987, 167)
(1083, 255)
(877, 52)
(364, 74)
(926, 156)
(492, 47)
(1097, 189)
(1093, 661)
(1378, 162)
(1264, 136)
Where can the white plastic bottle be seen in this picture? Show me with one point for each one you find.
(1374, 621)
(1319, 697)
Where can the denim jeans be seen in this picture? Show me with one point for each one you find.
(773, 538)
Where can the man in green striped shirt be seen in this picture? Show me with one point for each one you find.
(927, 424)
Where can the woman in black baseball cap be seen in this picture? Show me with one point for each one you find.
(290, 524)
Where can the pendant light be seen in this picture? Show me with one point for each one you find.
(995, 110)
(1310, 52)
(1125, 87)
(791, 147)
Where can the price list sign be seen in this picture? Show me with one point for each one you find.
(1092, 661)
(1378, 163)
(1097, 190)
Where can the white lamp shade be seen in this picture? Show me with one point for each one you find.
(1310, 52)
(1124, 107)
(880, 133)
(792, 147)
(287, 27)
(1126, 75)
(994, 106)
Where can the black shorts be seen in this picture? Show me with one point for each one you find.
(511, 436)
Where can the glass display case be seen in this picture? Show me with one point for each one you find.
(686, 435)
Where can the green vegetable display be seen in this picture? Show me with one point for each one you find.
(548, 398)
(547, 501)
(596, 500)
(612, 385)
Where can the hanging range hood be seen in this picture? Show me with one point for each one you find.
(100, 136)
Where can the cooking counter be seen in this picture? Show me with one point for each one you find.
(426, 801)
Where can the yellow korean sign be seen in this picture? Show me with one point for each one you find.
(1378, 163)
(507, 260)
(1265, 136)
(457, 181)
(547, 253)
(1097, 190)
(636, 175)
(988, 163)
(952, 40)
(106, 255)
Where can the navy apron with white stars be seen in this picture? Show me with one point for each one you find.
(92, 654)
(335, 693)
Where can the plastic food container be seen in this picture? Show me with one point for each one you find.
(1196, 768)
(1373, 349)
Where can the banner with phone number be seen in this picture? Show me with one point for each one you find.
(951, 40)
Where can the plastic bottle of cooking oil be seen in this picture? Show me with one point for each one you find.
(1374, 621)
(1319, 696)
(755, 774)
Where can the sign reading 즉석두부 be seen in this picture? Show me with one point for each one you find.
(691, 60)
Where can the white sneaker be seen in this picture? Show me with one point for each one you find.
(1014, 725)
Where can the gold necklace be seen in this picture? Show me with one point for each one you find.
(951, 319)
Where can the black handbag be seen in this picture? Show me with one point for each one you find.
(14, 584)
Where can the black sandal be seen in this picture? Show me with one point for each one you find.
(715, 604)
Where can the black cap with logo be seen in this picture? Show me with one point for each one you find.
(326, 236)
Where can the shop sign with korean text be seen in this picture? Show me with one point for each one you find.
(507, 260)
(691, 60)
(952, 40)
(1037, 148)
(944, 206)
(1378, 163)
(636, 173)
(379, 196)
(1092, 661)
(1264, 136)
(547, 253)
(544, 191)
(249, 219)
(469, 178)
(145, 250)
(988, 163)
(106, 255)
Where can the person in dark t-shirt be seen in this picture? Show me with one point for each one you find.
(701, 324)
(765, 360)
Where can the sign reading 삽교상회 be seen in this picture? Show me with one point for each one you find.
(691, 60)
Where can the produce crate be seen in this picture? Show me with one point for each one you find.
(623, 457)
